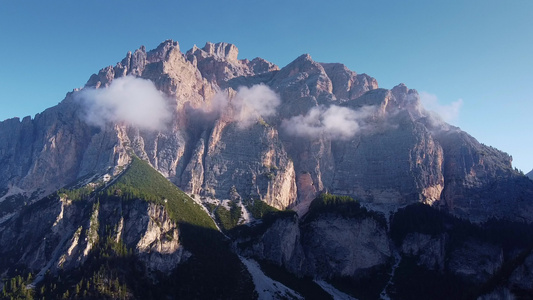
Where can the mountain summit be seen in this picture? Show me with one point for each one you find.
(222, 127)
(248, 140)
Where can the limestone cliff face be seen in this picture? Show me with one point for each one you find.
(338, 246)
(398, 154)
(346, 84)
(147, 228)
(480, 181)
(44, 153)
(430, 251)
(219, 63)
(383, 149)
(328, 246)
(522, 277)
(59, 233)
(280, 244)
(472, 260)
(476, 261)
(397, 165)
(39, 234)
(251, 162)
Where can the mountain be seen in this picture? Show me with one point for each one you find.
(320, 181)
(122, 237)
(530, 174)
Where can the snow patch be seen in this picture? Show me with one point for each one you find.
(265, 287)
(336, 294)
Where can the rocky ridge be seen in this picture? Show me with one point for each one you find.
(419, 183)
(135, 228)
(401, 156)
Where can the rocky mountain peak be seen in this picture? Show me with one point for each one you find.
(303, 64)
(222, 50)
(219, 63)
(343, 121)
(162, 51)
(133, 64)
(406, 97)
(244, 138)
(347, 84)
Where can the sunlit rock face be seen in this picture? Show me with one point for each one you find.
(330, 129)
(62, 235)
(244, 130)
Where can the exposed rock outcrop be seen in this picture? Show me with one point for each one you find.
(328, 246)
(62, 235)
(431, 251)
(522, 277)
(345, 247)
(331, 130)
(219, 63)
(476, 261)
(398, 154)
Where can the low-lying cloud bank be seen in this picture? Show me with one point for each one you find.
(131, 100)
(335, 122)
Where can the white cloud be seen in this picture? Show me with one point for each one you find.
(447, 113)
(335, 122)
(245, 107)
(251, 103)
(131, 100)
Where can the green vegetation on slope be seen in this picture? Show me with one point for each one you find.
(228, 219)
(259, 208)
(113, 270)
(141, 181)
(83, 193)
(344, 206)
(212, 271)
(17, 288)
(110, 272)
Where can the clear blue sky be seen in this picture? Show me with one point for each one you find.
(480, 51)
